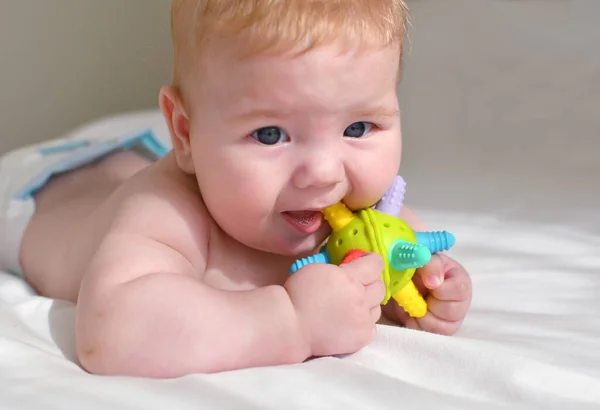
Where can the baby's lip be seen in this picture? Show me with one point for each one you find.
(306, 222)
(306, 210)
(302, 212)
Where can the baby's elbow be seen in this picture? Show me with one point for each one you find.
(112, 356)
(110, 360)
(105, 352)
(92, 361)
(100, 357)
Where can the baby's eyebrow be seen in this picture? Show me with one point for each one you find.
(261, 113)
(279, 113)
(376, 112)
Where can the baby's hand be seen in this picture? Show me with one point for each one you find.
(338, 306)
(446, 286)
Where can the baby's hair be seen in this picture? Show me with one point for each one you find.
(283, 25)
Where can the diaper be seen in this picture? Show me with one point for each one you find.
(25, 171)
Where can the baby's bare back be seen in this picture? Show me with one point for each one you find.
(125, 217)
(63, 217)
(99, 214)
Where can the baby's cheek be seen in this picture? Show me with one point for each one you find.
(252, 194)
(369, 187)
(373, 171)
(230, 190)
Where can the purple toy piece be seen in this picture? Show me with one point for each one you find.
(391, 202)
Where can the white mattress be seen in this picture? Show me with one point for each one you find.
(532, 337)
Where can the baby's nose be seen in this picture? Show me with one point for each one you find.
(319, 171)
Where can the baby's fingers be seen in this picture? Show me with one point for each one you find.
(374, 293)
(432, 275)
(457, 286)
(448, 311)
(364, 269)
(433, 324)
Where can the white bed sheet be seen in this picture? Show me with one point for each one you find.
(531, 340)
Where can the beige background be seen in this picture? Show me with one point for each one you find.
(65, 62)
(500, 98)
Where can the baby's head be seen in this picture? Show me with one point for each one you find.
(283, 107)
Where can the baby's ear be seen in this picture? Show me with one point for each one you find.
(177, 119)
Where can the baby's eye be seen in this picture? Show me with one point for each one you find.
(358, 129)
(270, 135)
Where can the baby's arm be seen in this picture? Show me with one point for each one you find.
(168, 323)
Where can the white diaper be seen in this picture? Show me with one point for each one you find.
(26, 170)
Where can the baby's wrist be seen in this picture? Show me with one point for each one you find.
(299, 331)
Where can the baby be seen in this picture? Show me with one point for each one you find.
(179, 261)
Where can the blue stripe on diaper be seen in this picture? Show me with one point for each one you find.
(57, 149)
(85, 153)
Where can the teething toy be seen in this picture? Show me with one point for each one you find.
(381, 230)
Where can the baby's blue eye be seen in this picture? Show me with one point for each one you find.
(270, 135)
(358, 129)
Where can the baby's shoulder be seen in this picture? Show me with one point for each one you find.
(154, 217)
(166, 204)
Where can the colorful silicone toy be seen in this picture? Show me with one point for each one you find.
(381, 230)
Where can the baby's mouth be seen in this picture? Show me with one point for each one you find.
(304, 217)
(304, 221)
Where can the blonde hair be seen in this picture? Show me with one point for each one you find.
(283, 25)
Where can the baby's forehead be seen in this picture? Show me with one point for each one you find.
(312, 85)
(339, 59)
(334, 62)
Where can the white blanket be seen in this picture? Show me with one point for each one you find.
(532, 340)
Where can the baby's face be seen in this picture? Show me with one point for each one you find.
(275, 139)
